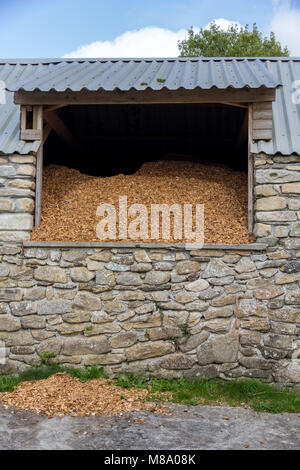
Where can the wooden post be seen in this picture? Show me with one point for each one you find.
(250, 173)
(39, 176)
(23, 118)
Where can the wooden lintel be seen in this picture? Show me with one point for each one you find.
(247, 95)
(56, 123)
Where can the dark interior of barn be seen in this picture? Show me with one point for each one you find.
(113, 139)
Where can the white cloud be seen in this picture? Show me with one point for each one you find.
(146, 42)
(286, 25)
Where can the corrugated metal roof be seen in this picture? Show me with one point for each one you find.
(10, 142)
(286, 114)
(156, 74)
(125, 74)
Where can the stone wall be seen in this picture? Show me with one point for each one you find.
(164, 310)
(277, 207)
(17, 185)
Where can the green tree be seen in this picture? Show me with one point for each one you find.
(234, 42)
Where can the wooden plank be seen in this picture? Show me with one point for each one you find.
(262, 124)
(247, 95)
(263, 106)
(56, 123)
(31, 134)
(262, 121)
(262, 134)
(250, 174)
(267, 114)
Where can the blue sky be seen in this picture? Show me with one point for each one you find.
(54, 28)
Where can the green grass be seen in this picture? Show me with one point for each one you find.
(39, 373)
(8, 383)
(131, 380)
(88, 373)
(249, 393)
(246, 393)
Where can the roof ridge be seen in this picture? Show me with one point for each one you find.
(37, 61)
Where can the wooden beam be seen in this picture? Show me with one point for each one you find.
(46, 132)
(53, 108)
(236, 105)
(61, 130)
(247, 95)
(250, 173)
(38, 110)
(23, 117)
(39, 178)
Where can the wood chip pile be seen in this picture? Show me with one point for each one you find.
(62, 395)
(70, 199)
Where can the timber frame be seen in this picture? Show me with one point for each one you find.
(31, 122)
(256, 125)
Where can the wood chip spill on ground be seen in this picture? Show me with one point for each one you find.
(70, 199)
(61, 395)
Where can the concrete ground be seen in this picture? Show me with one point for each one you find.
(189, 428)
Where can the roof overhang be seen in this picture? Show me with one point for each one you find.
(214, 95)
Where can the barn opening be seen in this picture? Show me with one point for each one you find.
(186, 153)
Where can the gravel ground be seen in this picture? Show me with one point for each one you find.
(193, 428)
